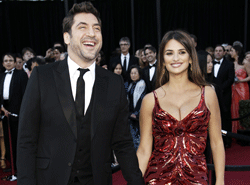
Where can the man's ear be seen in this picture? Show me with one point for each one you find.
(66, 38)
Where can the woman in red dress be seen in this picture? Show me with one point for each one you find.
(240, 88)
(175, 117)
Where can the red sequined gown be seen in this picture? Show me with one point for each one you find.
(178, 147)
(240, 91)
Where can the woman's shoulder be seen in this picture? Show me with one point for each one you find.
(210, 94)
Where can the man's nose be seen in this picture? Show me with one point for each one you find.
(91, 32)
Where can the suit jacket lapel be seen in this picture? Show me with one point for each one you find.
(221, 68)
(62, 79)
(100, 99)
(12, 82)
(1, 83)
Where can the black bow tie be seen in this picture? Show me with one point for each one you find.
(215, 62)
(8, 72)
(154, 65)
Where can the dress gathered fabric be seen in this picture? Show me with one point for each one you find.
(240, 91)
(178, 149)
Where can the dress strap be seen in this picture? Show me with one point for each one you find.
(203, 92)
(156, 98)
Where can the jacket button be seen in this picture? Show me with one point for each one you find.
(69, 164)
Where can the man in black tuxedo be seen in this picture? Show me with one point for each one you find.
(149, 72)
(12, 86)
(125, 59)
(70, 123)
(224, 78)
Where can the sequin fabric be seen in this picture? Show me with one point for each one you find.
(177, 157)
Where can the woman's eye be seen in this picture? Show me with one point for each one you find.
(168, 53)
(182, 52)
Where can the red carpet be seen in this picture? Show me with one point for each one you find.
(236, 155)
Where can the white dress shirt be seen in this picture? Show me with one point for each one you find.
(88, 77)
(152, 71)
(6, 84)
(127, 59)
(217, 67)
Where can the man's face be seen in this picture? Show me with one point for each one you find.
(150, 55)
(85, 40)
(19, 63)
(218, 53)
(27, 55)
(8, 62)
(124, 47)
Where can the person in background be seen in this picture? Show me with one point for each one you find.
(19, 61)
(224, 77)
(57, 51)
(149, 72)
(240, 88)
(33, 62)
(137, 53)
(174, 119)
(210, 50)
(136, 92)
(125, 58)
(27, 53)
(246, 63)
(100, 60)
(142, 59)
(116, 68)
(12, 87)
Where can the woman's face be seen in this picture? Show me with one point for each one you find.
(118, 69)
(176, 57)
(209, 64)
(143, 57)
(134, 74)
(247, 57)
(233, 53)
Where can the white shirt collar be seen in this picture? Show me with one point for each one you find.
(153, 63)
(221, 60)
(10, 70)
(127, 56)
(74, 66)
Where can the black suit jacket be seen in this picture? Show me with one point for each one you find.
(47, 134)
(17, 88)
(132, 61)
(149, 84)
(224, 80)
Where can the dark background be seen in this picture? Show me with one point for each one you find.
(38, 24)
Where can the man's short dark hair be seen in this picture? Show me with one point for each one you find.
(18, 55)
(84, 7)
(9, 54)
(219, 45)
(125, 39)
(150, 48)
(24, 50)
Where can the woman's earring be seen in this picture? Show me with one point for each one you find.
(191, 67)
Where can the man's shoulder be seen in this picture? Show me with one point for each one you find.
(49, 67)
